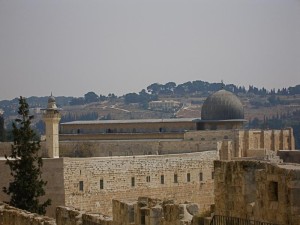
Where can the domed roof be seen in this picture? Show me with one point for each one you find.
(222, 105)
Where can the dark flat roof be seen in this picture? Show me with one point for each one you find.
(133, 121)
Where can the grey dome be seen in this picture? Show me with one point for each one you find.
(222, 105)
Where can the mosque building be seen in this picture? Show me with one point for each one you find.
(89, 163)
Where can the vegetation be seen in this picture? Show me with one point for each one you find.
(142, 98)
(25, 165)
(2, 130)
(253, 97)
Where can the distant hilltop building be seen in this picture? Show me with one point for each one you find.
(165, 105)
(90, 163)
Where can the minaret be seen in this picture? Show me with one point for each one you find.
(51, 117)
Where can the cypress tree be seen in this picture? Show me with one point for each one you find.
(2, 130)
(25, 165)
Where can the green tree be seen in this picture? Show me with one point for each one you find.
(91, 97)
(2, 130)
(25, 165)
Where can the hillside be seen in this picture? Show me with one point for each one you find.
(263, 108)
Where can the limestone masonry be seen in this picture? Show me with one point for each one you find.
(104, 167)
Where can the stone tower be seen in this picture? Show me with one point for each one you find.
(51, 117)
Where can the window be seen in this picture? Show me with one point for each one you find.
(148, 179)
(200, 176)
(80, 185)
(188, 177)
(162, 179)
(212, 175)
(101, 184)
(273, 191)
(175, 178)
(132, 182)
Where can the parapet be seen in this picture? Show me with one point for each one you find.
(10, 215)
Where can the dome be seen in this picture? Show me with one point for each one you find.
(222, 105)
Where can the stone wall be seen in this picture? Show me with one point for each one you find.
(13, 216)
(149, 211)
(143, 211)
(290, 156)
(193, 141)
(73, 216)
(133, 147)
(52, 173)
(258, 190)
(5, 149)
(245, 140)
(92, 183)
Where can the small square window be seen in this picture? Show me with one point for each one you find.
(101, 184)
(132, 181)
(80, 185)
(188, 177)
(148, 179)
(162, 179)
(175, 178)
(200, 176)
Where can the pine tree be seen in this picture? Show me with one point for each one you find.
(25, 165)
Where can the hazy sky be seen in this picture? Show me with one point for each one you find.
(71, 47)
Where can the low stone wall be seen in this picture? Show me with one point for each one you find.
(142, 211)
(13, 216)
(5, 149)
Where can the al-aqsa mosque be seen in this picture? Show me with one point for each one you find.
(87, 164)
